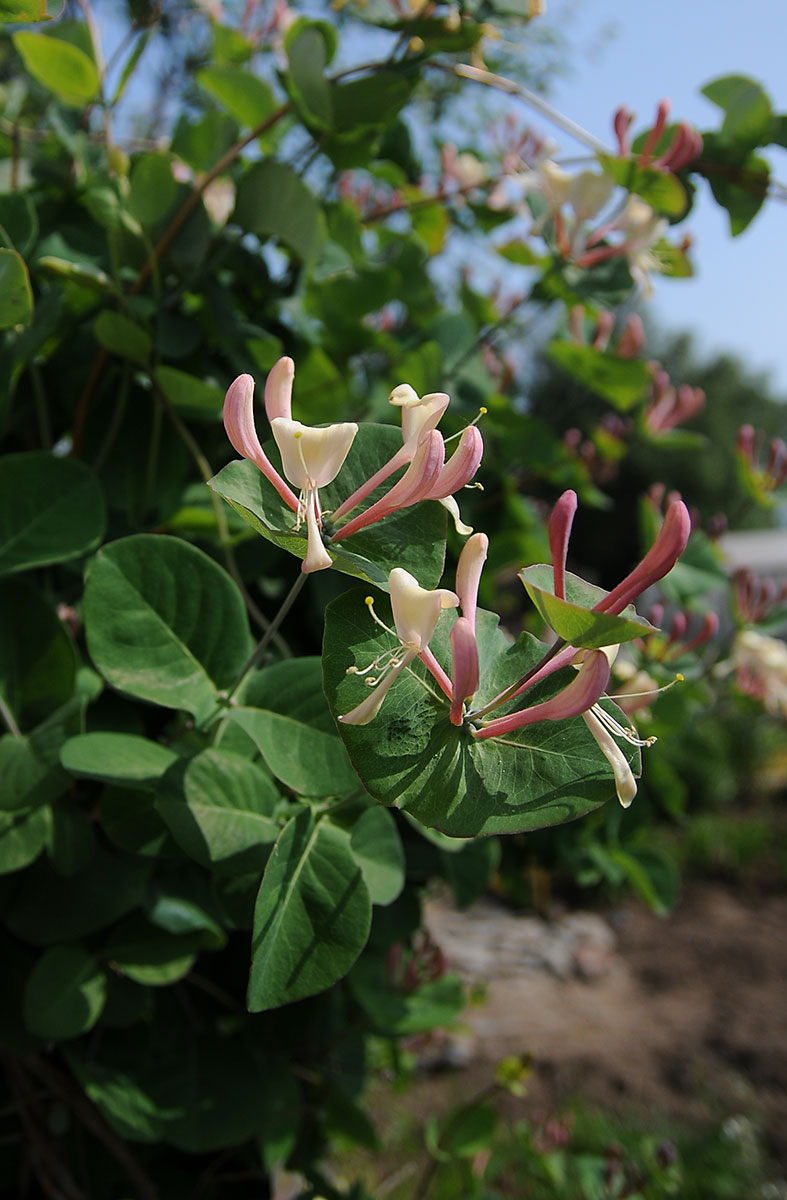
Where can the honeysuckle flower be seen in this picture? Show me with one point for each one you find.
(760, 666)
(625, 781)
(415, 613)
(574, 699)
(420, 414)
(239, 424)
(416, 484)
(464, 648)
(312, 458)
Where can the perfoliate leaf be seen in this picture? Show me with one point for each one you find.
(411, 756)
(573, 619)
(413, 538)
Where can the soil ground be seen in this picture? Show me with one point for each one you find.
(684, 1017)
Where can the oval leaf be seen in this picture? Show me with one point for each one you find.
(123, 758)
(312, 916)
(164, 622)
(411, 756)
(16, 296)
(220, 806)
(65, 993)
(51, 509)
(60, 67)
(293, 730)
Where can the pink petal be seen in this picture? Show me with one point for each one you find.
(416, 484)
(580, 695)
(464, 669)
(278, 389)
(239, 424)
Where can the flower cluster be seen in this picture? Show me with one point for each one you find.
(416, 611)
(313, 457)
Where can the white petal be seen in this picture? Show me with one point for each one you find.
(416, 609)
(449, 502)
(368, 709)
(312, 457)
(625, 783)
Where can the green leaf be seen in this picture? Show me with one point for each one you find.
(60, 67)
(412, 538)
(246, 98)
(738, 185)
(123, 758)
(197, 1090)
(164, 623)
(153, 189)
(23, 835)
(659, 189)
(51, 510)
(468, 872)
(23, 12)
(50, 908)
(273, 201)
(622, 381)
(201, 143)
(16, 296)
(312, 916)
(293, 730)
(411, 755)
(468, 1130)
(151, 956)
(18, 221)
(377, 848)
(189, 395)
(37, 661)
(309, 90)
(401, 1014)
(220, 806)
(369, 103)
(28, 781)
(65, 993)
(573, 619)
(71, 842)
(747, 109)
(130, 821)
(123, 337)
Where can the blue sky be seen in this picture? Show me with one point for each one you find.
(635, 52)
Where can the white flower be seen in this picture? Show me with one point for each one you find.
(415, 613)
(312, 458)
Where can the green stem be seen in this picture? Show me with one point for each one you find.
(153, 457)
(267, 637)
(41, 407)
(8, 718)
(115, 423)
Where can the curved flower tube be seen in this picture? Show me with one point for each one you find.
(312, 458)
(415, 613)
(575, 699)
(464, 648)
(416, 484)
(420, 415)
(239, 424)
